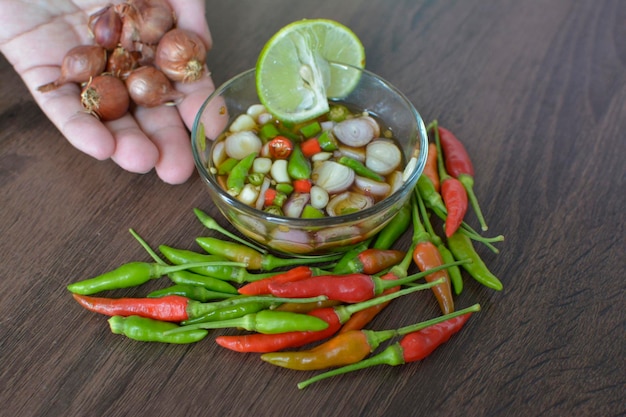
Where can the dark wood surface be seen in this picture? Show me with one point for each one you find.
(536, 90)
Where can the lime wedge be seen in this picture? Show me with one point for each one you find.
(293, 76)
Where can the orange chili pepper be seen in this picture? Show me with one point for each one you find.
(430, 169)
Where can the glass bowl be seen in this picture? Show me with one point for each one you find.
(319, 235)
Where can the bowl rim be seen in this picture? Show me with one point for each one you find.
(381, 206)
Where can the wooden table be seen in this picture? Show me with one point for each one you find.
(535, 89)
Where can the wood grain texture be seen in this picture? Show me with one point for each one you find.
(537, 92)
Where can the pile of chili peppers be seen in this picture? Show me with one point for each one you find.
(311, 313)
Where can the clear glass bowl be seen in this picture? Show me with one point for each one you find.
(321, 235)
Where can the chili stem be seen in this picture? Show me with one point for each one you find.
(210, 223)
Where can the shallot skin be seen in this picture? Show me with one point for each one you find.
(106, 97)
(79, 65)
(144, 21)
(149, 87)
(106, 27)
(181, 55)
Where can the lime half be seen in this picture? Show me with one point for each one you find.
(293, 76)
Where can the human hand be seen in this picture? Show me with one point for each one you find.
(34, 37)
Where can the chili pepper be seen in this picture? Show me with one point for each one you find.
(284, 188)
(452, 191)
(348, 288)
(334, 316)
(338, 113)
(462, 249)
(149, 330)
(265, 322)
(131, 275)
(432, 199)
(280, 147)
(211, 224)
(310, 147)
(198, 280)
(310, 212)
(298, 167)
(237, 177)
(460, 166)
(327, 141)
(311, 129)
(230, 272)
(302, 186)
(412, 347)
(251, 258)
(349, 347)
(386, 238)
(227, 166)
(260, 286)
(426, 257)
(360, 169)
(342, 263)
(372, 261)
(192, 292)
(268, 131)
(167, 308)
(231, 312)
(454, 271)
(430, 168)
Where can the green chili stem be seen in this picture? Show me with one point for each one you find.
(210, 223)
(147, 247)
(382, 285)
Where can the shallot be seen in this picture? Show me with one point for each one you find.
(121, 62)
(149, 87)
(106, 27)
(144, 21)
(106, 97)
(79, 65)
(180, 55)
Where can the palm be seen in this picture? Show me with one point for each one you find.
(35, 37)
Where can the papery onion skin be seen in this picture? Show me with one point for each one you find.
(106, 97)
(144, 21)
(149, 87)
(121, 62)
(106, 27)
(79, 65)
(181, 55)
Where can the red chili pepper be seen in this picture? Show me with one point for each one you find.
(459, 165)
(430, 169)
(270, 195)
(413, 347)
(426, 256)
(168, 308)
(280, 147)
(260, 287)
(371, 261)
(452, 191)
(302, 185)
(310, 147)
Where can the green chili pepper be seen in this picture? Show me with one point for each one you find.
(394, 229)
(131, 275)
(284, 188)
(198, 280)
(311, 129)
(231, 312)
(268, 131)
(338, 113)
(298, 167)
(211, 224)
(274, 210)
(192, 292)
(149, 330)
(237, 177)
(360, 169)
(256, 178)
(461, 247)
(311, 212)
(265, 322)
(327, 141)
(227, 166)
(227, 271)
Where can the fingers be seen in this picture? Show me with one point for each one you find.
(164, 127)
(134, 151)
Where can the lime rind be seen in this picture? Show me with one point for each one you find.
(293, 77)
